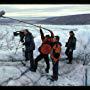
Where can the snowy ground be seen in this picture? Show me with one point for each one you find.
(13, 73)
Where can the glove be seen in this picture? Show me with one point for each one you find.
(56, 55)
(70, 50)
(24, 43)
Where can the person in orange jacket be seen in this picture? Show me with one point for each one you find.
(55, 56)
(44, 49)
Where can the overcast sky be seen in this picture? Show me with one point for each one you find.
(43, 10)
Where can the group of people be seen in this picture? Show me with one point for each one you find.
(50, 46)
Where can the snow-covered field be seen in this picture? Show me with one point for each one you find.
(13, 73)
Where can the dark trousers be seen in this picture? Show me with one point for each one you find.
(69, 54)
(40, 57)
(29, 56)
(55, 69)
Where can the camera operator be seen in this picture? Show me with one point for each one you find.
(29, 47)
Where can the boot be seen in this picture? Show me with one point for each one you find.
(54, 78)
(32, 69)
(69, 62)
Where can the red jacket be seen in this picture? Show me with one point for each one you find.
(45, 48)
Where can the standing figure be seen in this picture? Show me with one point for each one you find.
(29, 47)
(71, 45)
(55, 56)
(44, 49)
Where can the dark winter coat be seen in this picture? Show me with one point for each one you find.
(29, 42)
(71, 43)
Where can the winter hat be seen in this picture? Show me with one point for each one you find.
(72, 32)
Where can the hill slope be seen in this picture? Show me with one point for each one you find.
(79, 19)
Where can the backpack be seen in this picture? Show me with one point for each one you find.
(46, 46)
(45, 49)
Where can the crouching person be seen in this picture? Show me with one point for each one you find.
(55, 56)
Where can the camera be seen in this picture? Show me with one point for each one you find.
(18, 33)
(21, 34)
(15, 33)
